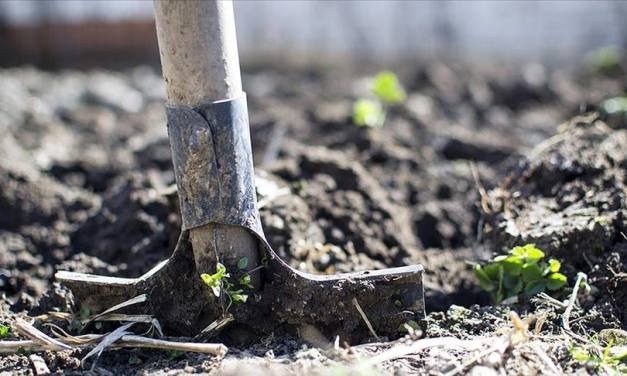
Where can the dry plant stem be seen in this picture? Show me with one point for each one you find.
(29, 331)
(200, 62)
(363, 316)
(205, 348)
(485, 206)
(401, 351)
(138, 299)
(132, 341)
(571, 303)
(11, 347)
(107, 340)
(549, 362)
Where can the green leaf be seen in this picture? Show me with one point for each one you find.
(173, 354)
(531, 272)
(498, 297)
(387, 88)
(98, 325)
(517, 289)
(554, 266)
(368, 113)
(214, 282)
(556, 281)
(513, 284)
(238, 296)
(208, 279)
(533, 255)
(84, 313)
(217, 290)
(242, 263)
(245, 281)
(220, 271)
(22, 351)
(411, 323)
(512, 265)
(518, 251)
(535, 287)
(604, 59)
(580, 355)
(494, 272)
(5, 332)
(484, 280)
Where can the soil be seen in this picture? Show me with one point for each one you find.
(86, 184)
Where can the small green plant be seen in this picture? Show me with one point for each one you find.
(613, 364)
(605, 59)
(387, 91)
(5, 332)
(615, 105)
(22, 351)
(219, 282)
(174, 354)
(368, 113)
(521, 271)
(409, 325)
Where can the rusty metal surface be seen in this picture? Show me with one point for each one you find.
(212, 156)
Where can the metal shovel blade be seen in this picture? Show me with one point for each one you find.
(214, 172)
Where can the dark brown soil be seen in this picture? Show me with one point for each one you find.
(86, 184)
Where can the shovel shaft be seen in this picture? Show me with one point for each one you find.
(200, 63)
(198, 48)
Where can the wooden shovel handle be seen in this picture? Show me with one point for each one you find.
(200, 63)
(198, 48)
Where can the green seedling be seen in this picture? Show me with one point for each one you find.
(22, 351)
(242, 263)
(386, 90)
(5, 332)
(173, 354)
(368, 113)
(521, 271)
(605, 59)
(615, 105)
(219, 282)
(79, 318)
(409, 325)
(613, 364)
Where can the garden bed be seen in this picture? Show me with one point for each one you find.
(86, 184)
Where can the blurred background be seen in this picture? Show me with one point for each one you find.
(56, 34)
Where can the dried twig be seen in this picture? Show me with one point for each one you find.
(423, 344)
(363, 316)
(37, 336)
(136, 300)
(107, 341)
(571, 303)
(127, 341)
(217, 324)
(139, 341)
(542, 146)
(483, 194)
(549, 362)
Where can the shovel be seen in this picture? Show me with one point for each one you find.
(222, 238)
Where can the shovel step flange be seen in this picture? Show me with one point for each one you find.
(184, 304)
